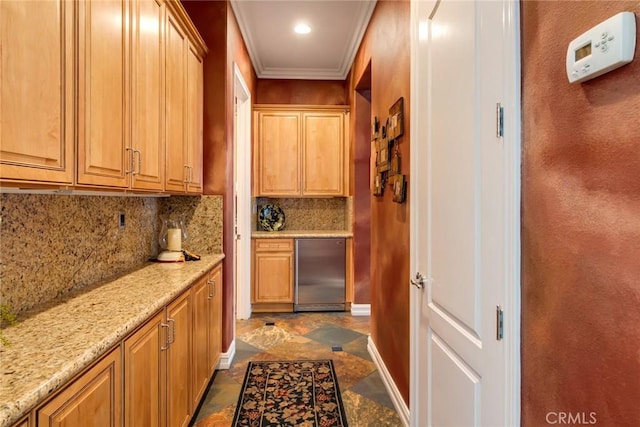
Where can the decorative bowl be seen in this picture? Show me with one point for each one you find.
(271, 218)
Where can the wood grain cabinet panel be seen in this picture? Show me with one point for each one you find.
(273, 274)
(194, 108)
(278, 153)
(146, 148)
(37, 91)
(144, 374)
(323, 154)
(184, 105)
(215, 319)
(92, 400)
(175, 113)
(179, 406)
(207, 330)
(200, 294)
(103, 98)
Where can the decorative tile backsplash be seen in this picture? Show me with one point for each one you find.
(52, 244)
(310, 214)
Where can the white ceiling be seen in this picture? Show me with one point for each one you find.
(326, 53)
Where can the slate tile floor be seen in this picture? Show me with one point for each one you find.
(291, 336)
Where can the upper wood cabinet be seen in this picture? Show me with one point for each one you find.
(36, 91)
(147, 95)
(122, 77)
(301, 151)
(184, 104)
(103, 96)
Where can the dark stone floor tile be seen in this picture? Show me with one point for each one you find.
(373, 388)
(358, 347)
(333, 335)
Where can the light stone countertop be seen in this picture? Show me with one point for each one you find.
(52, 346)
(300, 234)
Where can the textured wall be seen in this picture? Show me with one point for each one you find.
(581, 224)
(386, 47)
(311, 92)
(361, 189)
(309, 213)
(217, 25)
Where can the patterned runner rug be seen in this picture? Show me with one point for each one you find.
(290, 393)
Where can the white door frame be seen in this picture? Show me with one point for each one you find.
(418, 149)
(242, 194)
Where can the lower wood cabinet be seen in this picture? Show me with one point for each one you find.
(92, 400)
(23, 423)
(273, 275)
(215, 319)
(144, 373)
(179, 407)
(157, 365)
(207, 330)
(159, 372)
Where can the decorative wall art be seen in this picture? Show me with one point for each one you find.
(396, 120)
(385, 140)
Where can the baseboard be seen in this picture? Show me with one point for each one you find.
(227, 358)
(361, 309)
(394, 393)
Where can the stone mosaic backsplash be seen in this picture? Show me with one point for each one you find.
(203, 218)
(309, 213)
(53, 244)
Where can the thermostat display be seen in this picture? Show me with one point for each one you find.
(605, 47)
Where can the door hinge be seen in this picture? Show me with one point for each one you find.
(499, 120)
(499, 323)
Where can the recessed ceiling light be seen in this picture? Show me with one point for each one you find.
(302, 28)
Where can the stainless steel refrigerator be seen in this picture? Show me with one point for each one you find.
(320, 274)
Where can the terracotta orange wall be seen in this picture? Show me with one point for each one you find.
(580, 224)
(217, 25)
(361, 193)
(309, 92)
(386, 45)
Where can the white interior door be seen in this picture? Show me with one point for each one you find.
(242, 196)
(465, 220)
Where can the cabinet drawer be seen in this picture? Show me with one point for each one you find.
(263, 245)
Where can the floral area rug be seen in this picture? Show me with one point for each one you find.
(290, 393)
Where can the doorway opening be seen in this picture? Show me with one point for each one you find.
(361, 221)
(242, 195)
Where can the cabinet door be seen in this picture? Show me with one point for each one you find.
(23, 423)
(194, 119)
(215, 319)
(144, 374)
(278, 153)
(36, 91)
(179, 362)
(92, 400)
(323, 154)
(273, 277)
(175, 113)
(200, 295)
(147, 99)
(102, 93)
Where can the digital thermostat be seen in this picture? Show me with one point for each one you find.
(603, 48)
